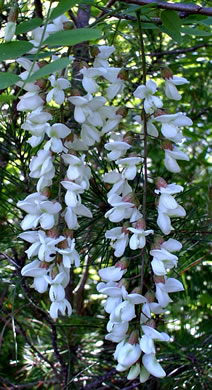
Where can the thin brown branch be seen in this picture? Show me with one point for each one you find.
(181, 7)
(108, 5)
(178, 51)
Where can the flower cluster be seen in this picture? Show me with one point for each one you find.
(135, 350)
(52, 251)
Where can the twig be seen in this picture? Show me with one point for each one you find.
(93, 385)
(187, 8)
(10, 259)
(177, 51)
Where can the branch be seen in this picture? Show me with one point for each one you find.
(178, 51)
(187, 8)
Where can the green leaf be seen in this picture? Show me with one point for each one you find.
(72, 37)
(207, 21)
(7, 79)
(50, 68)
(11, 50)
(194, 19)
(143, 9)
(195, 31)
(63, 6)
(171, 25)
(24, 27)
(6, 98)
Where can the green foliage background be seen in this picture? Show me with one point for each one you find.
(37, 352)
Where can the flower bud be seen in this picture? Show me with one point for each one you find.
(123, 75)
(63, 244)
(159, 279)
(42, 63)
(94, 51)
(122, 111)
(123, 282)
(41, 83)
(136, 290)
(44, 264)
(68, 233)
(75, 92)
(140, 224)
(158, 241)
(159, 112)
(46, 192)
(54, 272)
(150, 296)
(53, 233)
(128, 138)
(160, 182)
(151, 323)
(68, 25)
(123, 263)
(167, 145)
(59, 259)
(166, 73)
(69, 138)
(133, 339)
(13, 14)
(124, 228)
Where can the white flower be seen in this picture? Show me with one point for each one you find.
(117, 331)
(117, 84)
(162, 260)
(40, 210)
(129, 165)
(71, 214)
(150, 334)
(162, 290)
(89, 134)
(29, 68)
(33, 269)
(77, 170)
(146, 92)
(9, 31)
(57, 93)
(120, 238)
(153, 366)
(42, 246)
(36, 123)
(41, 166)
(125, 311)
(55, 132)
(30, 102)
(60, 306)
(118, 149)
(88, 83)
(171, 124)
(170, 159)
(172, 245)
(127, 356)
(111, 274)
(36, 38)
(120, 187)
(101, 58)
(70, 255)
(86, 108)
(120, 210)
(170, 89)
(151, 129)
(72, 197)
(138, 239)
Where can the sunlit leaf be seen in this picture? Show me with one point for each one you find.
(72, 37)
(50, 68)
(11, 50)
